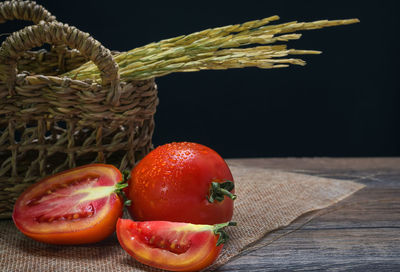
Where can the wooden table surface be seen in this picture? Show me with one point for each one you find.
(361, 233)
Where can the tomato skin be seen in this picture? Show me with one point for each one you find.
(136, 238)
(93, 234)
(171, 184)
(76, 230)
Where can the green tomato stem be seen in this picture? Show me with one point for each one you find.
(218, 191)
(218, 230)
(121, 185)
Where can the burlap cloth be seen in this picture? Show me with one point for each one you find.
(267, 200)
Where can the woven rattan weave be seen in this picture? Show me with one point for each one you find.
(50, 123)
(59, 59)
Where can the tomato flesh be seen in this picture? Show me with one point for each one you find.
(76, 206)
(169, 245)
(172, 183)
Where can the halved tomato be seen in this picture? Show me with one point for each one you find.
(76, 206)
(170, 245)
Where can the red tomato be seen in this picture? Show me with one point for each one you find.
(170, 245)
(182, 182)
(76, 206)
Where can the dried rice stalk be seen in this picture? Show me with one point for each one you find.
(213, 49)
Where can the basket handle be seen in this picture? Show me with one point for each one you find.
(24, 10)
(37, 35)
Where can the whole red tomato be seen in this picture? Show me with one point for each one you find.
(182, 182)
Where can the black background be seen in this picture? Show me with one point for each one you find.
(344, 102)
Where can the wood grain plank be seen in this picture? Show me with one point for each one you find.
(374, 249)
(368, 208)
(321, 163)
(361, 233)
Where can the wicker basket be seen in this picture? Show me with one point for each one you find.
(59, 59)
(49, 123)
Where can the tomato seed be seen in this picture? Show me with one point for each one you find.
(89, 208)
(76, 216)
(32, 202)
(152, 239)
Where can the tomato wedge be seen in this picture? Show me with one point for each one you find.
(77, 206)
(170, 245)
